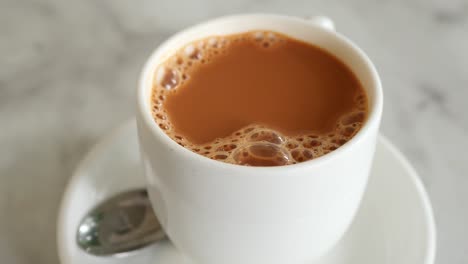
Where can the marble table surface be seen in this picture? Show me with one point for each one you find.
(68, 72)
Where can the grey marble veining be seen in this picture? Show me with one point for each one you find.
(68, 72)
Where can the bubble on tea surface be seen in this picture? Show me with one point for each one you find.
(301, 155)
(261, 154)
(271, 36)
(360, 98)
(227, 147)
(249, 129)
(219, 156)
(341, 142)
(201, 45)
(179, 61)
(222, 42)
(167, 78)
(213, 42)
(161, 116)
(354, 117)
(347, 131)
(193, 52)
(265, 135)
(312, 143)
(292, 145)
(259, 36)
(164, 126)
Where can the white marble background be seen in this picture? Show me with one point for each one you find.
(68, 72)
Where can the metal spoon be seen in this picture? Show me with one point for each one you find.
(121, 224)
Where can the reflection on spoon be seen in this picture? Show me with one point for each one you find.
(123, 223)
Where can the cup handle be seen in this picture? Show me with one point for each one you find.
(322, 21)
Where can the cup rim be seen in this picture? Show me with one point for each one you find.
(375, 109)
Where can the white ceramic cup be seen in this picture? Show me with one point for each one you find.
(216, 212)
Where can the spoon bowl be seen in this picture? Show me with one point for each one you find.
(123, 223)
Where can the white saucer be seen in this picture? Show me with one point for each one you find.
(394, 224)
